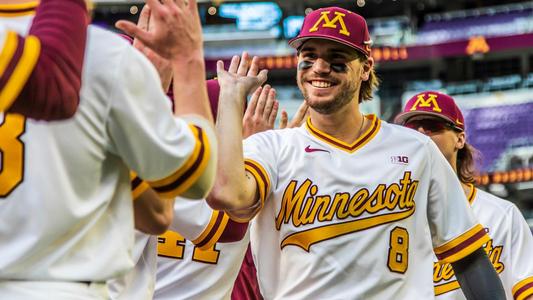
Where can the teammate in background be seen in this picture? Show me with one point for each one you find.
(39, 77)
(437, 116)
(344, 205)
(72, 176)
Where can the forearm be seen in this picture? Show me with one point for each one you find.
(477, 277)
(229, 191)
(52, 89)
(190, 93)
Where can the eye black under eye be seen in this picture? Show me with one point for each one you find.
(339, 67)
(305, 64)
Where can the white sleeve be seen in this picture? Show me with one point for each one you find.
(145, 134)
(260, 160)
(522, 248)
(454, 229)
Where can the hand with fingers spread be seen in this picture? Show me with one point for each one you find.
(178, 32)
(242, 76)
(162, 65)
(297, 120)
(261, 112)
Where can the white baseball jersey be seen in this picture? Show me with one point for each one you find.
(187, 271)
(355, 221)
(509, 249)
(65, 198)
(181, 263)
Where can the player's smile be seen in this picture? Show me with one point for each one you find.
(321, 86)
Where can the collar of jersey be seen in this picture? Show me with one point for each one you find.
(17, 10)
(472, 195)
(360, 142)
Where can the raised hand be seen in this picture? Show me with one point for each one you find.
(162, 65)
(297, 120)
(242, 76)
(261, 112)
(177, 33)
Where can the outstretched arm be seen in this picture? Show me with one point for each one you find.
(234, 188)
(477, 277)
(175, 34)
(42, 78)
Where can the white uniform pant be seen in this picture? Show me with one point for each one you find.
(52, 290)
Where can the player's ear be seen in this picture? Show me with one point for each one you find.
(461, 140)
(368, 65)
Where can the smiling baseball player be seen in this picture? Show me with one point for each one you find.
(346, 206)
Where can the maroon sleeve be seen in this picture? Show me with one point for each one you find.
(233, 232)
(246, 286)
(52, 90)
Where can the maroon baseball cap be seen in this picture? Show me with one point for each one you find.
(335, 24)
(435, 104)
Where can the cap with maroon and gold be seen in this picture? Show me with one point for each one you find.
(335, 24)
(434, 104)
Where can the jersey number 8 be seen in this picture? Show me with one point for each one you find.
(11, 153)
(398, 250)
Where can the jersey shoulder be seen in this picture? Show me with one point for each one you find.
(488, 200)
(395, 132)
(276, 136)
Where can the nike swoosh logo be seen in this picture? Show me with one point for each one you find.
(308, 149)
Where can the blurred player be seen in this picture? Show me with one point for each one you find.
(39, 77)
(344, 206)
(66, 219)
(436, 115)
(191, 267)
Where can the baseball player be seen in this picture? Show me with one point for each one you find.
(209, 246)
(66, 220)
(40, 78)
(346, 206)
(436, 115)
(180, 265)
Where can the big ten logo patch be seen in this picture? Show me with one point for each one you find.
(327, 23)
(429, 100)
(399, 159)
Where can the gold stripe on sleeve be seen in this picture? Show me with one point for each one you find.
(8, 50)
(218, 233)
(181, 180)
(208, 228)
(523, 289)
(462, 245)
(21, 73)
(261, 177)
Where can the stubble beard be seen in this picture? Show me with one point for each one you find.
(346, 95)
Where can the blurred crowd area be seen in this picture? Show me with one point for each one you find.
(480, 52)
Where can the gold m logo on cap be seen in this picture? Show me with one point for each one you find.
(339, 17)
(431, 101)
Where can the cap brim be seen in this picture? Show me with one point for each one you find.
(403, 117)
(298, 41)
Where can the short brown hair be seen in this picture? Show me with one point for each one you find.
(466, 163)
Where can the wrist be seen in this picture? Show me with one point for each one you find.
(193, 59)
(232, 94)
